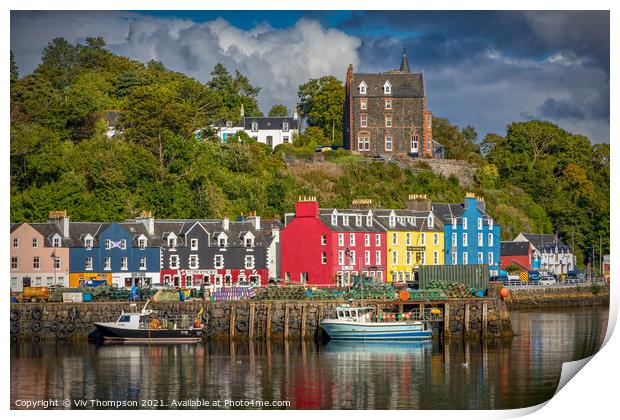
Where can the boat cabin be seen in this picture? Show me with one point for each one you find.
(131, 320)
(361, 314)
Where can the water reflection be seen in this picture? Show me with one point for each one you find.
(512, 373)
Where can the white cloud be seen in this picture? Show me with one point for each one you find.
(277, 60)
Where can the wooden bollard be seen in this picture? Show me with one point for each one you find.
(446, 320)
(303, 321)
(286, 319)
(484, 318)
(466, 320)
(268, 321)
(232, 319)
(252, 320)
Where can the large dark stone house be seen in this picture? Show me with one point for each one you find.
(385, 113)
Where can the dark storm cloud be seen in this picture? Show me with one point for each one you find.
(521, 33)
(488, 68)
(561, 109)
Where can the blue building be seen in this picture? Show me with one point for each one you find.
(471, 236)
(124, 254)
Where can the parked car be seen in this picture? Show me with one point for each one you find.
(575, 276)
(500, 278)
(534, 276)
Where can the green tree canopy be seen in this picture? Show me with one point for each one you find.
(321, 103)
(278, 111)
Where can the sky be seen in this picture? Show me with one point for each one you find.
(481, 68)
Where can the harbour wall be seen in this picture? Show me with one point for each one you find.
(540, 297)
(251, 319)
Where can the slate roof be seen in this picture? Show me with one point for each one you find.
(325, 214)
(409, 220)
(48, 230)
(404, 85)
(270, 123)
(446, 212)
(79, 230)
(546, 242)
(510, 248)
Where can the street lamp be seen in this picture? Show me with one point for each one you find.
(54, 264)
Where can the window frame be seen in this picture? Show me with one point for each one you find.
(388, 140)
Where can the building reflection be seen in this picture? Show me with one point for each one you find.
(487, 374)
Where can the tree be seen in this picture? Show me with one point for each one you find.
(59, 63)
(235, 92)
(14, 69)
(278, 111)
(321, 102)
(152, 115)
(459, 144)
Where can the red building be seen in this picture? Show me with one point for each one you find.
(516, 253)
(327, 247)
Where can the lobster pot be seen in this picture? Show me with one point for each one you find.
(233, 293)
(475, 276)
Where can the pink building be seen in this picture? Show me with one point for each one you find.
(40, 253)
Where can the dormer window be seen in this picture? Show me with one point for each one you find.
(345, 220)
(358, 220)
(387, 88)
(142, 243)
(392, 221)
(368, 220)
(254, 126)
(431, 221)
(285, 126)
(56, 242)
(88, 243)
(222, 241)
(334, 219)
(172, 242)
(362, 88)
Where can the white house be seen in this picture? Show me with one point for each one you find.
(271, 131)
(549, 253)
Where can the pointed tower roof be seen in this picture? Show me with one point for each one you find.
(404, 65)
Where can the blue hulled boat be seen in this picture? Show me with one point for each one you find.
(356, 323)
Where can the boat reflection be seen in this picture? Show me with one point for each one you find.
(404, 348)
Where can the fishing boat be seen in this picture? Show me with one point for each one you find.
(357, 323)
(144, 327)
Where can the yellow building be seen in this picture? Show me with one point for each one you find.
(414, 238)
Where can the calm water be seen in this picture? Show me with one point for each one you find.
(514, 373)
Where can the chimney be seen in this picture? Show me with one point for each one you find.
(470, 199)
(307, 207)
(254, 219)
(225, 223)
(361, 203)
(481, 204)
(295, 114)
(60, 219)
(419, 202)
(147, 219)
(275, 232)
